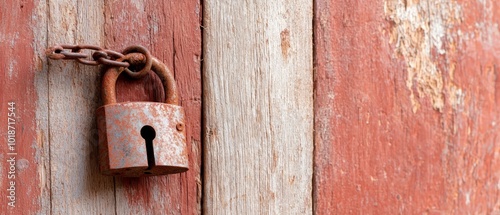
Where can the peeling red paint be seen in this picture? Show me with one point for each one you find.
(406, 118)
(17, 85)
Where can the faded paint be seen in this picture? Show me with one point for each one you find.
(429, 81)
(11, 71)
(171, 31)
(419, 29)
(258, 107)
(19, 72)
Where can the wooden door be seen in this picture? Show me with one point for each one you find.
(294, 106)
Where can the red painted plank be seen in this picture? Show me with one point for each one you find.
(406, 115)
(171, 31)
(23, 178)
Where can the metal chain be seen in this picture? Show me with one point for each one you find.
(99, 55)
(131, 56)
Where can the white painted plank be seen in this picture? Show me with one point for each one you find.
(258, 107)
(77, 186)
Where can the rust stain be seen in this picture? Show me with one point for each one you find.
(122, 147)
(120, 123)
(170, 87)
(285, 42)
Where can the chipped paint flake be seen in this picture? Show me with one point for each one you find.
(488, 29)
(139, 5)
(419, 29)
(11, 73)
(457, 97)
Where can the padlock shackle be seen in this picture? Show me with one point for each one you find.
(165, 75)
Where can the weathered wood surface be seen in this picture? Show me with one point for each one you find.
(24, 81)
(406, 109)
(56, 102)
(76, 185)
(406, 115)
(258, 116)
(171, 30)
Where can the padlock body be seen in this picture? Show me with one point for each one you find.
(123, 150)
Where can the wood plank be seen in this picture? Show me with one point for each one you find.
(23, 81)
(77, 186)
(171, 31)
(406, 115)
(258, 107)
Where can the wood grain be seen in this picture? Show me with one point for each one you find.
(24, 81)
(406, 115)
(77, 187)
(171, 31)
(257, 85)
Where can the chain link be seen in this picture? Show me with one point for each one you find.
(98, 55)
(134, 56)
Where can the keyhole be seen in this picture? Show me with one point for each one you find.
(148, 133)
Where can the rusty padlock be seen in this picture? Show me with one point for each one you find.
(141, 138)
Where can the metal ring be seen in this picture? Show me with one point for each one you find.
(147, 66)
(165, 75)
